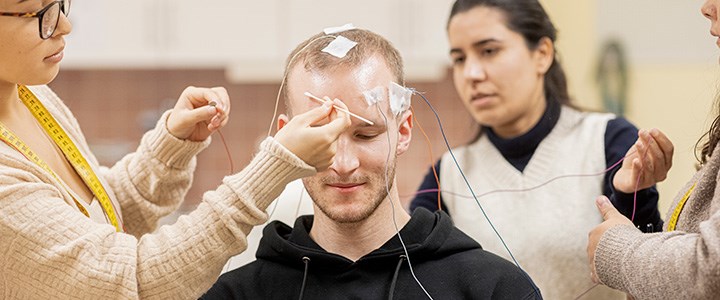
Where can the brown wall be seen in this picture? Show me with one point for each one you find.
(115, 108)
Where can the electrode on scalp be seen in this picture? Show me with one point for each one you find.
(339, 108)
(333, 30)
(339, 47)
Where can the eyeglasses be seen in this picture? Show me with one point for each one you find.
(48, 16)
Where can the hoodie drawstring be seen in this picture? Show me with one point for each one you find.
(395, 276)
(306, 261)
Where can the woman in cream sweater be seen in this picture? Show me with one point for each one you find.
(70, 228)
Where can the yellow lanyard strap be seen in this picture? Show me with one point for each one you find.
(69, 149)
(678, 209)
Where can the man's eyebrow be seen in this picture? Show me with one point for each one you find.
(378, 124)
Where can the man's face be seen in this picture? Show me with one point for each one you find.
(352, 188)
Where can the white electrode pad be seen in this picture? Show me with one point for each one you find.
(399, 98)
(339, 47)
(374, 96)
(332, 30)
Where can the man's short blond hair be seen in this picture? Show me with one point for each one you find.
(309, 54)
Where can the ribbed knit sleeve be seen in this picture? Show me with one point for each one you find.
(152, 181)
(671, 265)
(50, 250)
(183, 260)
(681, 264)
(149, 183)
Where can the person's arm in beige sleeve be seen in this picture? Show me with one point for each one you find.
(57, 252)
(668, 265)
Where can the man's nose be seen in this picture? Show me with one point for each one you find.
(346, 159)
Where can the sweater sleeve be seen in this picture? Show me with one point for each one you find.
(620, 135)
(51, 250)
(668, 265)
(425, 198)
(149, 183)
(152, 181)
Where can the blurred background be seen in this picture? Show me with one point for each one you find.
(126, 62)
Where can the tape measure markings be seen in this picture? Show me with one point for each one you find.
(69, 149)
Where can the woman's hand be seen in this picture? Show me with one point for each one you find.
(650, 158)
(611, 219)
(309, 140)
(198, 113)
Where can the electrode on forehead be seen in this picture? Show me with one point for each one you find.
(339, 47)
(399, 98)
(374, 96)
(333, 30)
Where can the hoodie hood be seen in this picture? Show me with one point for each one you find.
(447, 263)
(427, 236)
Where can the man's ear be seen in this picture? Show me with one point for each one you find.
(404, 131)
(544, 55)
(282, 120)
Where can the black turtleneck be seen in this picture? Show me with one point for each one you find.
(519, 150)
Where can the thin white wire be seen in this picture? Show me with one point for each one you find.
(277, 99)
(285, 74)
(387, 189)
(277, 200)
(297, 211)
(387, 183)
(467, 183)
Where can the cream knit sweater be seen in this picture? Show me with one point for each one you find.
(48, 249)
(682, 264)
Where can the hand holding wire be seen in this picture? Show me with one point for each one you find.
(647, 165)
(198, 113)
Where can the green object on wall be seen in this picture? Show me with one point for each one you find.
(612, 77)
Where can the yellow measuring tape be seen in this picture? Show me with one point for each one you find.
(676, 213)
(71, 152)
(12, 140)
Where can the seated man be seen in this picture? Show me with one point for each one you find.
(351, 249)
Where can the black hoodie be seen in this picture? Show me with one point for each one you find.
(448, 263)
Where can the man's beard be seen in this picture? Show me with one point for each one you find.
(368, 201)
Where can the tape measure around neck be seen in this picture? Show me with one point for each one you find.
(678, 209)
(13, 141)
(69, 149)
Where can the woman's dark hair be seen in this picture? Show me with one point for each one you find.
(529, 19)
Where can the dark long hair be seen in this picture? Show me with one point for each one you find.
(529, 19)
(713, 136)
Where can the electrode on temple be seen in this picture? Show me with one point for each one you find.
(399, 98)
